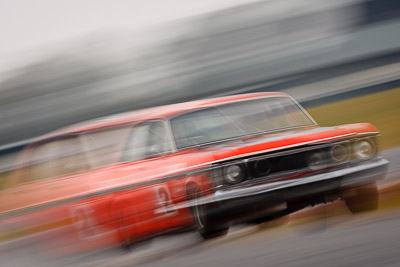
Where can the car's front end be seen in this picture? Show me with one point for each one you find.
(271, 159)
(271, 184)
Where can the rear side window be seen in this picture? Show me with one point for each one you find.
(71, 155)
(55, 159)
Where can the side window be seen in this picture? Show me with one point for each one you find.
(137, 143)
(55, 159)
(157, 144)
(146, 140)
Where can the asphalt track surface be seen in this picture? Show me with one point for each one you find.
(365, 240)
(370, 239)
(328, 235)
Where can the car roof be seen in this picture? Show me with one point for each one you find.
(159, 112)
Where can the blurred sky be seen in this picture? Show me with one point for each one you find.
(29, 29)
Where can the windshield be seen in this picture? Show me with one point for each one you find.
(237, 119)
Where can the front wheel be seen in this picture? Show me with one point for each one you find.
(206, 227)
(363, 198)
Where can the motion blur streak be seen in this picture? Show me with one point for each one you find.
(275, 43)
(96, 186)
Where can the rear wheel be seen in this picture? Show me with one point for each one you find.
(206, 227)
(363, 198)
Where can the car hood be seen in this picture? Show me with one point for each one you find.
(284, 140)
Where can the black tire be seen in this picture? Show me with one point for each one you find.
(205, 226)
(365, 198)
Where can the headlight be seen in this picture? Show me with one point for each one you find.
(233, 174)
(364, 149)
(316, 161)
(339, 153)
(262, 166)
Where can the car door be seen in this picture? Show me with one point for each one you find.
(147, 208)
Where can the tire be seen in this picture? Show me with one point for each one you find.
(205, 226)
(365, 198)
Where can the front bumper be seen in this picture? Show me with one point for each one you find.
(256, 201)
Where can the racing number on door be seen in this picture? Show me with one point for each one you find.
(164, 201)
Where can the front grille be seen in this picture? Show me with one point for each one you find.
(292, 163)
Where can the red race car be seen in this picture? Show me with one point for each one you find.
(210, 163)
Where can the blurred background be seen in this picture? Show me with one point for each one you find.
(62, 62)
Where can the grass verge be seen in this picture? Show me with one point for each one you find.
(381, 109)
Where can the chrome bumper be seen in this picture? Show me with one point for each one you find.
(362, 173)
